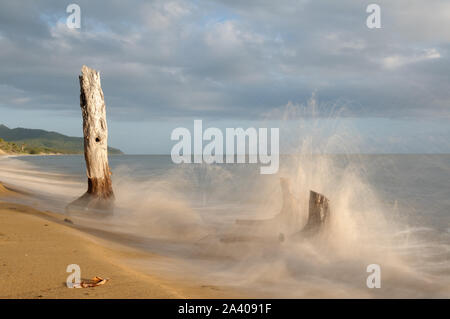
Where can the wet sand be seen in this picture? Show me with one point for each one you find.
(36, 247)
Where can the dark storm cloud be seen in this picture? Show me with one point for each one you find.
(236, 59)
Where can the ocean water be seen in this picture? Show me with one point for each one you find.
(389, 210)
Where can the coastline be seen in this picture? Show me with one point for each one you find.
(130, 252)
(36, 248)
(4, 154)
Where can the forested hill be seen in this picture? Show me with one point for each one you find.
(34, 141)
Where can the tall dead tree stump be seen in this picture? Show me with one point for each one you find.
(100, 195)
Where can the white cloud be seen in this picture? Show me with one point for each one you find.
(176, 9)
(338, 43)
(227, 36)
(160, 15)
(396, 61)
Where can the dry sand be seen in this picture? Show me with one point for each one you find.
(36, 248)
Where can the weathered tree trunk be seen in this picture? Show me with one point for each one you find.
(100, 193)
(319, 212)
(286, 220)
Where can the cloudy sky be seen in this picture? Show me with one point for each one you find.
(232, 63)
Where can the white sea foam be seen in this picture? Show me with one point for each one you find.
(382, 212)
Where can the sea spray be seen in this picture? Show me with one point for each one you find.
(378, 216)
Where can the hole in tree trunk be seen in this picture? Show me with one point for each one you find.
(97, 139)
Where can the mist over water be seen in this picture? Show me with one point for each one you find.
(391, 210)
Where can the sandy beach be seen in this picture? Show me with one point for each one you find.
(36, 247)
(159, 243)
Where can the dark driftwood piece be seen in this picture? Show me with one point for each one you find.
(318, 215)
(100, 195)
(319, 212)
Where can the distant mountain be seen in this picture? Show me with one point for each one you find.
(32, 141)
